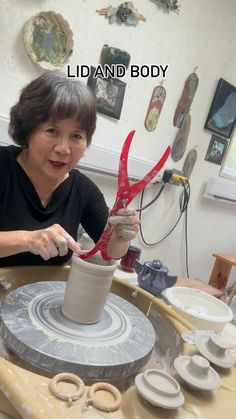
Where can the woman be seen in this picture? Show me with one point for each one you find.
(43, 197)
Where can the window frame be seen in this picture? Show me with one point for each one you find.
(226, 170)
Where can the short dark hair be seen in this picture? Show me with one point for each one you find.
(52, 96)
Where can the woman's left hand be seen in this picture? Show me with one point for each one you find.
(125, 225)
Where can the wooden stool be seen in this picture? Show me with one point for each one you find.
(221, 270)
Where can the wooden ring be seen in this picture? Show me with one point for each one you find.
(102, 406)
(69, 397)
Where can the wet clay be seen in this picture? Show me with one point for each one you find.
(87, 289)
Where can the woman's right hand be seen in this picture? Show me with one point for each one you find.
(50, 242)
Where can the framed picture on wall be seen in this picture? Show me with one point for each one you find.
(216, 149)
(109, 93)
(222, 114)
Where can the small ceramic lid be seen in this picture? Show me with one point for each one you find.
(197, 372)
(159, 388)
(215, 349)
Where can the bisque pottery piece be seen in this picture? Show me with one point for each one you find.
(69, 397)
(215, 349)
(87, 288)
(159, 389)
(153, 276)
(197, 372)
(100, 405)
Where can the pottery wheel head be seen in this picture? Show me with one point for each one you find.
(34, 327)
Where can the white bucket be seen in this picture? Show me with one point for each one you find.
(87, 289)
(201, 309)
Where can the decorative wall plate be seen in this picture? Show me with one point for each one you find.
(48, 40)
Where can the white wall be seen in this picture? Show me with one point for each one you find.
(202, 35)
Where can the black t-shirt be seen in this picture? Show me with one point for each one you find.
(75, 201)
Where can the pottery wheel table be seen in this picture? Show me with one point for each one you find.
(34, 327)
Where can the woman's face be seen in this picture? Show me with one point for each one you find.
(56, 147)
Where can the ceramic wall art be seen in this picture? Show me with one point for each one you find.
(189, 162)
(155, 107)
(170, 5)
(124, 13)
(182, 117)
(48, 40)
(181, 139)
(113, 56)
(186, 99)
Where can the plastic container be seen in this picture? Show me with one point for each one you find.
(201, 309)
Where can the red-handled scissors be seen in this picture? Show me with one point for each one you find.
(125, 194)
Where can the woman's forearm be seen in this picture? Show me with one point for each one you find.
(12, 242)
(125, 226)
(117, 249)
(47, 243)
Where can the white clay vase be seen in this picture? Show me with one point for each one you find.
(87, 288)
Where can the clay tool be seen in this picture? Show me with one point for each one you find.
(126, 192)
